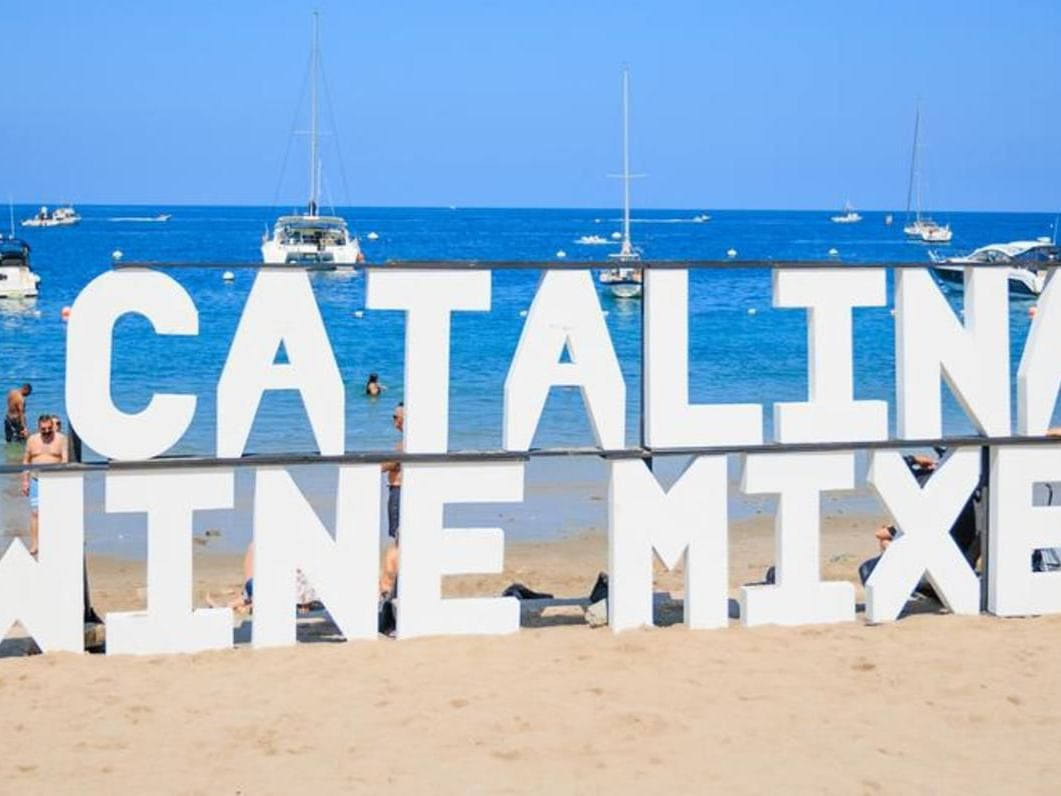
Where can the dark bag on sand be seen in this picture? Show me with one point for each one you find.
(388, 623)
(521, 592)
(600, 589)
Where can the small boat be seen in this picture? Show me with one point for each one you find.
(849, 216)
(888, 220)
(17, 279)
(931, 232)
(1030, 264)
(592, 240)
(319, 243)
(60, 217)
(702, 218)
(624, 280)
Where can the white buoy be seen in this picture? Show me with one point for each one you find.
(752, 310)
(359, 314)
(116, 255)
(731, 253)
(373, 236)
(561, 254)
(833, 252)
(617, 236)
(228, 276)
(523, 313)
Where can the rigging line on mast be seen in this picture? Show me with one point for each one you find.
(291, 135)
(338, 148)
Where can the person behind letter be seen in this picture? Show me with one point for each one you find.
(15, 419)
(394, 496)
(44, 447)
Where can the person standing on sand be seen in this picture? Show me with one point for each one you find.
(394, 496)
(15, 419)
(47, 446)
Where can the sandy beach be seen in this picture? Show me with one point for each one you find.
(937, 702)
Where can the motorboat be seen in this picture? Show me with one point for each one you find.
(314, 241)
(60, 217)
(701, 219)
(17, 280)
(624, 279)
(1030, 264)
(849, 216)
(592, 240)
(921, 226)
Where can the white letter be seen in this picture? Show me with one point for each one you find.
(428, 297)
(169, 624)
(973, 358)
(280, 310)
(45, 595)
(799, 596)
(429, 551)
(831, 414)
(112, 433)
(670, 420)
(689, 520)
(1039, 374)
(925, 516)
(1018, 529)
(288, 535)
(565, 312)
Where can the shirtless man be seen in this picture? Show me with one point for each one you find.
(15, 419)
(47, 446)
(394, 496)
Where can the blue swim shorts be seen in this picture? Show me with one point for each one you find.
(34, 495)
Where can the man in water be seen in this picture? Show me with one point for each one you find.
(394, 497)
(15, 419)
(47, 446)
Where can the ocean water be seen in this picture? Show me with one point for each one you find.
(741, 349)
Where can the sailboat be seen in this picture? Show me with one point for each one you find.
(311, 240)
(921, 227)
(624, 280)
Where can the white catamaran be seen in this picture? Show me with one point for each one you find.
(624, 280)
(921, 227)
(314, 241)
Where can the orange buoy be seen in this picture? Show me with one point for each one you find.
(64, 313)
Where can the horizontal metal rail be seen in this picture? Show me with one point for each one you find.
(555, 265)
(466, 456)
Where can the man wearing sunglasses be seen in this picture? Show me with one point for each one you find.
(47, 446)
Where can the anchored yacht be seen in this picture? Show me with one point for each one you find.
(1031, 264)
(849, 216)
(624, 280)
(311, 240)
(17, 279)
(921, 226)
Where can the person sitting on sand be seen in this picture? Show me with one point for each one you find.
(372, 387)
(306, 599)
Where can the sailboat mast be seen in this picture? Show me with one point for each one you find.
(314, 182)
(913, 169)
(626, 159)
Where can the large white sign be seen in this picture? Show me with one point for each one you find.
(686, 523)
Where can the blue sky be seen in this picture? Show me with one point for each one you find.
(734, 105)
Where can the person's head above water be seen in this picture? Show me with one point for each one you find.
(372, 386)
(399, 416)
